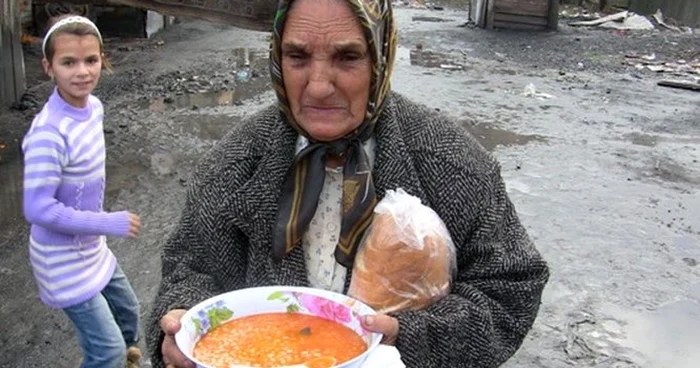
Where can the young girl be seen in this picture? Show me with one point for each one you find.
(64, 185)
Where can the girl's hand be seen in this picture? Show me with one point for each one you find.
(134, 225)
(383, 324)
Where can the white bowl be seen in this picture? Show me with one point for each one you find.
(246, 302)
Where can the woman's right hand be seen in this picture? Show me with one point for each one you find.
(134, 225)
(172, 356)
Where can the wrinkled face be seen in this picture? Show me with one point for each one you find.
(326, 68)
(76, 65)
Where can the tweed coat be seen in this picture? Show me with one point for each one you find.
(223, 240)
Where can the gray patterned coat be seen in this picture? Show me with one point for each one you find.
(222, 242)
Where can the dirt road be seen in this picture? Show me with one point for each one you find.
(601, 163)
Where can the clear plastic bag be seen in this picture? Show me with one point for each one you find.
(406, 258)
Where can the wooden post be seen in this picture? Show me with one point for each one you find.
(12, 82)
(553, 15)
(490, 13)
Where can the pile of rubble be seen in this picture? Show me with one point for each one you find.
(416, 4)
(686, 73)
(624, 20)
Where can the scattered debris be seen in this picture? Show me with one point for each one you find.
(632, 22)
(414, 4)
(624, 20)
(531, 91)
(595, 22)
(650, 62)
(162, 164)
(688, 85)
(451, 67)
(578, 13)
(659, 18)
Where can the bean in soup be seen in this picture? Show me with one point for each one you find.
(278, 339)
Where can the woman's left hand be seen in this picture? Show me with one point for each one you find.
(383, 324)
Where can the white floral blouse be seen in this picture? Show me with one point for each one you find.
(321, 238)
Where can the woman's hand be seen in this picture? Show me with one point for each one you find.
(172, 356)
(383, 324)
(134, 225)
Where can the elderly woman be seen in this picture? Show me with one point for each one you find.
(270, 204)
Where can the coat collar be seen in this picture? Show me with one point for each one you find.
(253, 206)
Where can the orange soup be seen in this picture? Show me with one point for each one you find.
(279, 339)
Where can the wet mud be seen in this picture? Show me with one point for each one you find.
(600, 162)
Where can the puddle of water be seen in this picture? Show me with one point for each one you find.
(210, 127)
(694, 292)
(194, 100)
(249, 57)
(490, 136)
(428, 59)
(209, 98)
(642, 139)
(668, 336)
(687, 249)
(122, 177)
(430, 19)
(670, 171)
(650, 140)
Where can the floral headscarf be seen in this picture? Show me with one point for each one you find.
(304, 182)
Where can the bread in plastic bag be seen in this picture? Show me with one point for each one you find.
(406, 258)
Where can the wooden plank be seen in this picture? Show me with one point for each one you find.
(249, 14)
(5, 60)
(524, 7)
(477, 12)
(18, 52)
(525, 19)
(553, 19)
(490, 13)
(11, 54)
(691, 86)
(520, 26)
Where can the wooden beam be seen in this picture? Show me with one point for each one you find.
(691, 86)
(490, 13)
(524, 7)
(525, 19)
(11, 54)
(553, 20)
(512, 25)
(256, 15)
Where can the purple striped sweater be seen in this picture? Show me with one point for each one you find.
(64, 185)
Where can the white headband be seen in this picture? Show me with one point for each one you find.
(69, 20)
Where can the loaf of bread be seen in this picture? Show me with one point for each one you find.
(406, 258)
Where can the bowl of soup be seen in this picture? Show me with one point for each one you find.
(277, 327)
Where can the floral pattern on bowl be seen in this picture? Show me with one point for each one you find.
(211, 317)
(347, 313)
(211, 313)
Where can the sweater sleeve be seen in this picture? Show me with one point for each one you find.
(45, 155)
(496, 293)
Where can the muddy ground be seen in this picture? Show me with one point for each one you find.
(601, 163)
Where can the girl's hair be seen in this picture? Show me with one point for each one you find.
(77, 29)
